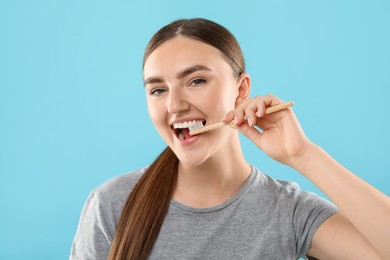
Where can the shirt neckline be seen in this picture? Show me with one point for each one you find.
(239, 194)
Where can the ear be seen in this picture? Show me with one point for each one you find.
(243, 88)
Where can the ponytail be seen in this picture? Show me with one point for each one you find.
(145, 209)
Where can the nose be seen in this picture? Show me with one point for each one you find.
(177, 103)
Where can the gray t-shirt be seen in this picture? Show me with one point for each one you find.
(266, 219)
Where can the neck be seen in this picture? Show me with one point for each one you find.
(214, 181)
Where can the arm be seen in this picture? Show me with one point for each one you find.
(366, 209)
(337, 238)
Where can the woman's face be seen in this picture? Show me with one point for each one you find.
(187, 80)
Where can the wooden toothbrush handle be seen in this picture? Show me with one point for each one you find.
(268, 110)
(278, 107)
(221, 124)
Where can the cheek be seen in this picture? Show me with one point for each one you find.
(226, 98)
(218, 105)
(154, 112)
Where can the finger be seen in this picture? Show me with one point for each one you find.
(250, 112)
(261, 105)
(239, 114)
(252, 133)
(229, 117)
(254, 108)
(241, 111)
(265, 102)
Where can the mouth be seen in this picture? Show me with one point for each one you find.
(182, 129)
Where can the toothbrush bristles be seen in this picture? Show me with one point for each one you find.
(195, 126)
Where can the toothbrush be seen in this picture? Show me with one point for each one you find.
(199, 128)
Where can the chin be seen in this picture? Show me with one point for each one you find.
(192, 159)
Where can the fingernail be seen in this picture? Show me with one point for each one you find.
(250, 121)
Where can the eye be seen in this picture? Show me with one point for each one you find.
(198, 82)
(157, 91)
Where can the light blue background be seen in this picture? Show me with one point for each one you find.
(72, 105)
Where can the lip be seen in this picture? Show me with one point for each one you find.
(187, 141)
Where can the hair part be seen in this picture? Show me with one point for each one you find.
(205, 31)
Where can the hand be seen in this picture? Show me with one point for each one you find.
(280, 136)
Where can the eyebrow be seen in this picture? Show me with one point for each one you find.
(180, 75)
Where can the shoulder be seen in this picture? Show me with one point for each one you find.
(106, 201)
(117, 189)
(121, 182)
(100, 215)
(287, 192)
(271, 185)
(301, 211)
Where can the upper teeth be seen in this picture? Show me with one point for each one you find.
(186, 124)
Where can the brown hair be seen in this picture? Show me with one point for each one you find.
(148, 203)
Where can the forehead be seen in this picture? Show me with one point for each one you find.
(181, 52)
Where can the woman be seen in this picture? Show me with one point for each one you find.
(200, 199)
